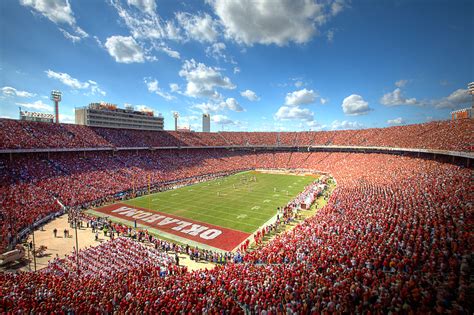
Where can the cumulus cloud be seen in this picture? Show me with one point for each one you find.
(38, 105)
(201, 28)
(395, 121)
(58, 12)
(174, 88)
(342, 125)
(146, 6)
(222, 120)
(453, 100)
(300, 97)
(396, 98)
(315, 126)
(203, 80)
(250, 95)
(294, 113)
(214, 107)
(124, 49)
(354, 105)
(273, 21)
(11, 91)
(153, 87)
(232, 104)
(74, 83)
(401, 83)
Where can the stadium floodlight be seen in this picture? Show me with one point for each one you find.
(176, 116)
(56, 98)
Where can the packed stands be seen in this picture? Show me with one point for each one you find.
(393, 238)
(110, 258)
(440, 135)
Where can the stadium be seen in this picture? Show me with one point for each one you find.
(122, 210)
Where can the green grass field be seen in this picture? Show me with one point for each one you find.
(236, 202)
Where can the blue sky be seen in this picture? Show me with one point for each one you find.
(253, 65)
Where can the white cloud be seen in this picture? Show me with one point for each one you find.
(453, 100)
(146, 6)
(396, 98)
(66, 119)
(124, 49)
(401, 83)
(250, 95)
(143, 108)
(294, 113)
(236, 70)
(355, 105)
(207, 108)
(67, 79)
(330, 36)
(11, 91)
(71, 37)
(315, 126)
(299, 84)
(300, 97)
(273, 21)
(142, 25)
(222, 120)
(198, 27)
(153, 87)
(230, 104)
(395, 121)
(174, 87)
(216, 51)
(38, 105)
(341, 125)
(58, 12)
(167, 50)
(74, 83)
(203, 80)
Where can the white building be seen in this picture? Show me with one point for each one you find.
(110, 116)
(206, 123)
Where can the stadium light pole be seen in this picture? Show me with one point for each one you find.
(56, 98)
(34, 248)
(77, 245)
(176, 116)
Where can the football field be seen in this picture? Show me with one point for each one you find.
(238, 204)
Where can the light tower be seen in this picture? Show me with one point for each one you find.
(56, 98)
(175, 115)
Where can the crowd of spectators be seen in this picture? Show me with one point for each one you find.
(453, 135)
(108, 259)
(395, 237)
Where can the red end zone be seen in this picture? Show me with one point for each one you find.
(205, 233)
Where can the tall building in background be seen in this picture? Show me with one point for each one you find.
(206, 123)
(465, 113)
(110, 116)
